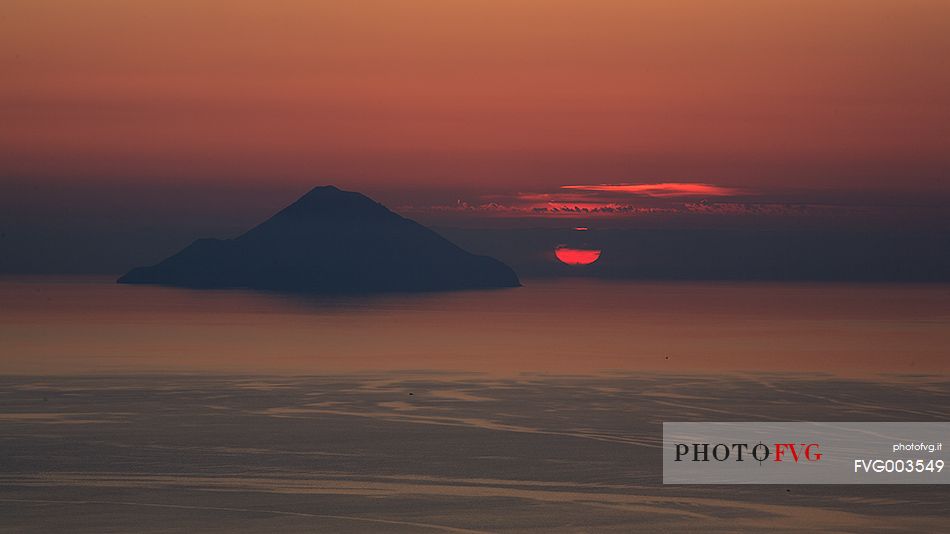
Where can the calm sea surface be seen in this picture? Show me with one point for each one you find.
(240, 411)
(58, 325)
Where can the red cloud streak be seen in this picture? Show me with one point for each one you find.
(661, 190)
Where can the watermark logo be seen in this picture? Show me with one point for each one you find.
(741, 452)
(804, 453)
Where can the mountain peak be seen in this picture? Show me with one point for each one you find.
(328, 201)
(323, 190)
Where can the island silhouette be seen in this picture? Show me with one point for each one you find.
(330, 241)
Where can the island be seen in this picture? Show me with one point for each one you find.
(330, 241)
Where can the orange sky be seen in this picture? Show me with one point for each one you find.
(481, 95)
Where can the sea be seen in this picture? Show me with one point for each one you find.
(68, 325)
(534, 409)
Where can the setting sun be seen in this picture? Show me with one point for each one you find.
(576, 256)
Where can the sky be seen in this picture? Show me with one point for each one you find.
(214, 113)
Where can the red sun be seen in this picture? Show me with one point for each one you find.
(577, 256)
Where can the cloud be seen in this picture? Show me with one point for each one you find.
(626, 200)
(553, 206)
(662, 190)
